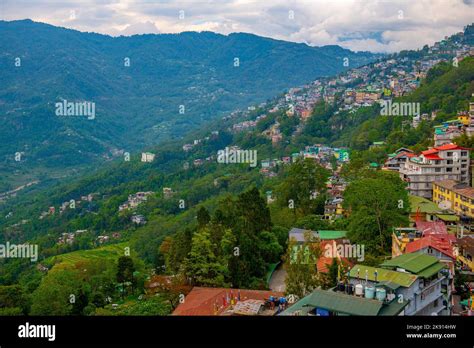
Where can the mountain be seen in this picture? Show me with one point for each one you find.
(444, 86)
(174, 83)
(208, 201)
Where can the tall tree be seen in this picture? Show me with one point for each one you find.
(303, 178)
(376, 205)
(202, 265)
(203, 217)
(125, 270)
(301, 266)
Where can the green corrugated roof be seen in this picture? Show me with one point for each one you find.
(431, 271)
(344, 304)
(425, 205)
(413, 262)
(301, 305)
(388, 284)
(329, 234)
(383, 275)
(341, 303)
(448, 217)
(394, 308)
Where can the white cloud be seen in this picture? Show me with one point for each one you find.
(376, 25)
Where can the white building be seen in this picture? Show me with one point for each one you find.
(445, 162)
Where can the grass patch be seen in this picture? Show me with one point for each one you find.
(112, 251)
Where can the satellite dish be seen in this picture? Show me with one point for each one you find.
(444, 205)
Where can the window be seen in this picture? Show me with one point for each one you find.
(449, 154)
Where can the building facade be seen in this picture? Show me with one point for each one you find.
(455, 196)
(446, 162)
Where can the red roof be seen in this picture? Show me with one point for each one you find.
(436, 242)
(429, 152)
(433, 157)
(434, 228)
(445, 147)
(205, 301)
(450, 147)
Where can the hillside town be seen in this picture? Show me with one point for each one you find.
(425, 268)
(426, 257)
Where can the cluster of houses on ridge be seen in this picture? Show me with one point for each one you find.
(68, 204)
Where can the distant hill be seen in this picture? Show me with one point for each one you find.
(136, 105)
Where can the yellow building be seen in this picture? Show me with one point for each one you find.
(464, 118)
(401, 237)
(454, 196)
(466, 252)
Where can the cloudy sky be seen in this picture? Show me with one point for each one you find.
(374, 25)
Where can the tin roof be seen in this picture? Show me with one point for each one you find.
(421, 265)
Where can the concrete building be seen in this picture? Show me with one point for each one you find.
(465, 254)
(445, 162)
(344, 302)
(396, 160)
(419, 279)
(455, 196)
(470, 128)
(431, 291)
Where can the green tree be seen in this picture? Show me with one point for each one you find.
(202, 265)
(303, 178)
(125, 273)
(376, 205)
(57, 291)
(301, 266)
(203, 217)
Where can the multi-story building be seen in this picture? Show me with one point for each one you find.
(429, 238)
(397, 159)
(465, 253)
(333, 208)
(455, 196)
(431, 291)
(343, 302)
(448, 161)
(447, 132)
(417, 278)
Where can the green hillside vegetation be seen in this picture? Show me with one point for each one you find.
(137, 105)
(107, 252)
(226, 234)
